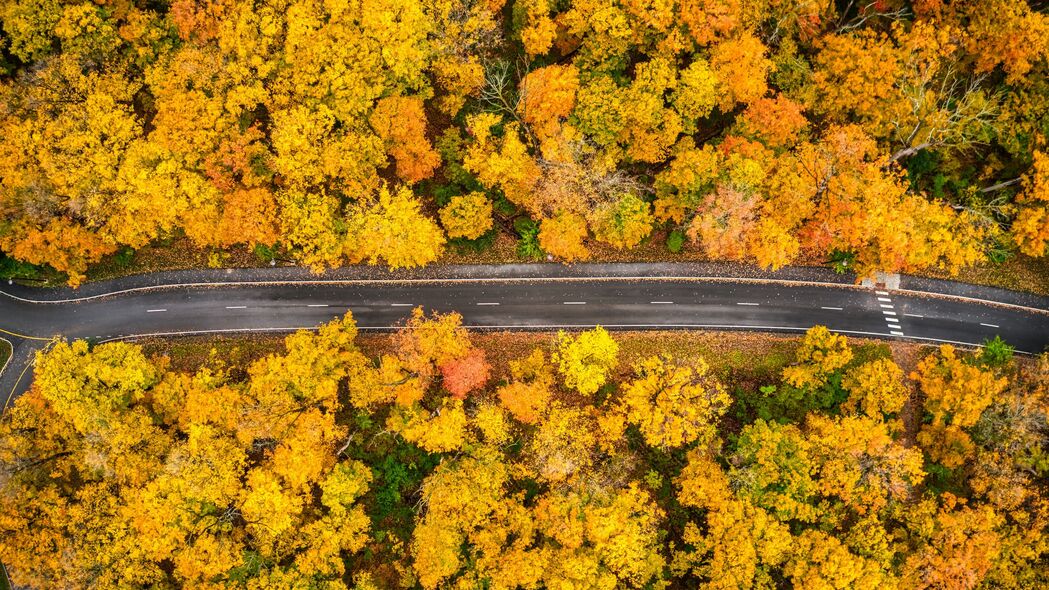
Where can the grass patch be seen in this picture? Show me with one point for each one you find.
(191, 353)
(5, 353)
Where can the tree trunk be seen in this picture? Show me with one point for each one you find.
(1001, 185)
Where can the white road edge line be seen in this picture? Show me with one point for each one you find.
(558, 326)
(990, 325)
(831, 308)
(487, 304)
(155, 310)
(913, 315)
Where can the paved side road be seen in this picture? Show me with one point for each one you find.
(663, 296)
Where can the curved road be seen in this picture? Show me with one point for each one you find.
(663, 296)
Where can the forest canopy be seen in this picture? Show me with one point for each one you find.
(421, 465)
(893, 135)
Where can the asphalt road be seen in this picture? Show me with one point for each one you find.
(651, 302)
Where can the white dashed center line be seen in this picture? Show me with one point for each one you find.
(831, 308)
(575, 302)
(487, 304)
(746, 303)
(155, 310)
(989, 325)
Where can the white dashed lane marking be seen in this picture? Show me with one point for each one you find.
(400, 305)
(487, 304)
(661, 303)
(741, 303)
(831, 308)
(990, 325)
(155, 310)
(575, 302)
(236, 307)
(317, 305)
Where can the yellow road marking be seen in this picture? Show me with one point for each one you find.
(24, 336)
(11, 394)
(32, 361)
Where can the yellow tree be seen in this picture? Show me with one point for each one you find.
(401, 123)
(956, 394)
(820, 560)
(739, 544)
(502, 163)
(622, 224)
(564, 446)
(875, 388)
(467, 216)
(821, 353)
(586, 360)
(528, 394)
(674, 404)
(548, 96)
(601, 538)
(742, 68)
(855, 76)
(1030, 229)
(309, 225)
(776, 121)
(392, 228)
(957, 545)
(774, 468)
(562, 236)
(859, 463)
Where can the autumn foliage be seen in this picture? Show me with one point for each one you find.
(412, 462)
(901, 135)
